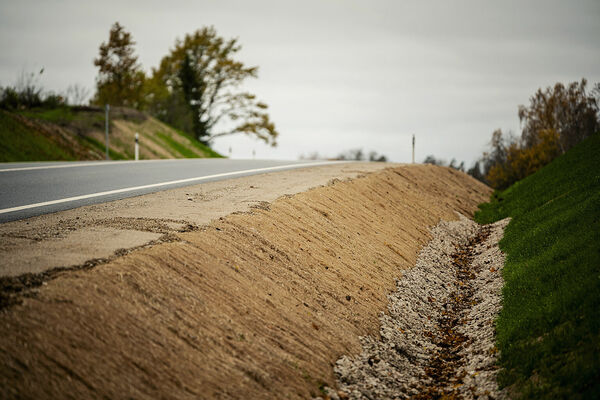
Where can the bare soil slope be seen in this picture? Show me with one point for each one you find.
(254, 305)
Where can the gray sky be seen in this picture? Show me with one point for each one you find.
(339, 74)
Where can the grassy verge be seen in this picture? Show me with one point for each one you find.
(208, 152)
(59, 115)
(204, 149)
(23, 144)
(175, 145)
(113, 154)
(548, 331)
(19, 143)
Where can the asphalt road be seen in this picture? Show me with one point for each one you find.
(30, 189)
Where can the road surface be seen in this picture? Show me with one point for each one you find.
(30, 189)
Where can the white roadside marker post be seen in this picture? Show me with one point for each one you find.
(413, 149)
(137, 147)
(106, 130)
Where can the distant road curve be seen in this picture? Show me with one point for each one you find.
(30, 189)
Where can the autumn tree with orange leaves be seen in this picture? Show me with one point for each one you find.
(556, 119)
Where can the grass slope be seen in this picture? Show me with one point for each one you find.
(207, 151)
(548, 331)
(21, 143)
(85, 127)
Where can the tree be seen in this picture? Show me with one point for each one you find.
(431, 159)
(29, 89)
(475, 172)
(373, 156)
(352, 155)
(518, 161)
(28, 93)
(455, 165)
(569, 112)
(120, 79)
(198, 84)
(557, 118)
(191, 87)
(77, 95)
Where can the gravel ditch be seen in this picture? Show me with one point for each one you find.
(437, 339)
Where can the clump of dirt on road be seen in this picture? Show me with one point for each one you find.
(254, 305)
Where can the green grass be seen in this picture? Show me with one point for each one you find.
(204, 149)
(59, 115)
(207, 151)
(175, 145)
(80, 121)
(113, 154)
(23, 144)
(201, 149)
(548, 331)
(19, 143)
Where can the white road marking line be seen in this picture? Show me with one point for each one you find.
(88, 164)
(153, 185)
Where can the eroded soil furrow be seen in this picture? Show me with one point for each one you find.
(437, 339)
(443, 373)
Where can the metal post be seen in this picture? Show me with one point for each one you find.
(137, 146)
(413, 149)
(106, 130)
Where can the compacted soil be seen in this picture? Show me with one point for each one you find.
(257, 304)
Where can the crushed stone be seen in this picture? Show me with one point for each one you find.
(437, 339)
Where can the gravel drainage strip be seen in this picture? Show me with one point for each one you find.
(437, 340)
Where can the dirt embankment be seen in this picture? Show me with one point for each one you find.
(254, 305)
(98, 233)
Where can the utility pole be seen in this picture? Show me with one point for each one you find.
(106, 130)
(413, 148)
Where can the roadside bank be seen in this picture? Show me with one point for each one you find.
(256, 304)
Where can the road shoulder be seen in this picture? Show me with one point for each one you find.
(103, 232)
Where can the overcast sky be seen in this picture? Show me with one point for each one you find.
(339, 74)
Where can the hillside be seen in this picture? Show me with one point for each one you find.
(549, 327)
(77, 133)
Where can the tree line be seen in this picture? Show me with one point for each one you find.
(556, 119)
(195, 88)
(357, 154)
(28, 93)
